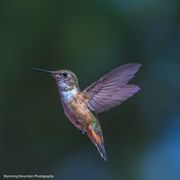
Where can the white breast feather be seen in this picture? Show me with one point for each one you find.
(68, 95)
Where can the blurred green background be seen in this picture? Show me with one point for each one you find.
(90, 38)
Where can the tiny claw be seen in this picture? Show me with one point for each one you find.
(82, 132)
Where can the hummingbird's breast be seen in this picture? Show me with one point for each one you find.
(75, 108)
(74, 104)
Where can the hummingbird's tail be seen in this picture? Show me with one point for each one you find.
(96, 136)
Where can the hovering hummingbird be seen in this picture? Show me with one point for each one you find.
(82, 107)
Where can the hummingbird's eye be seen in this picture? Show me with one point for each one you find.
(65, 74)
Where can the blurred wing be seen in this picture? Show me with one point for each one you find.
(112, 89)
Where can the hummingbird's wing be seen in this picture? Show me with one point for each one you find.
(112, 89)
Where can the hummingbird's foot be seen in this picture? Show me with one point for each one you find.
(82, 131)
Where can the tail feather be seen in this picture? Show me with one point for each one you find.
(102, 151)
(96, 137)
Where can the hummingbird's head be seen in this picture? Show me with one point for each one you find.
(65, 79)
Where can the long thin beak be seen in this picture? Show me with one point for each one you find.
(42, 70)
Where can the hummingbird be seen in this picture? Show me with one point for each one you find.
(82, 107)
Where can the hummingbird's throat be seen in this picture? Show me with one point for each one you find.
(63, 86)
(67, 96)
(67, 91)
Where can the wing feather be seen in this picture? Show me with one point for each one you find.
(112, 89)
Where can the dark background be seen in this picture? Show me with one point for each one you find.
(90, 38)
